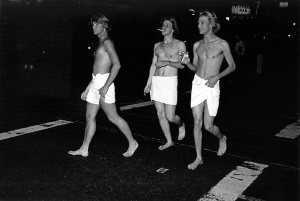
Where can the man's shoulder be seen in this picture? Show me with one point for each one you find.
(106, 43)
(221, 40)
(197, 43)
(158, 43)
(179, 43)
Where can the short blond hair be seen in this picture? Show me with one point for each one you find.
(212, 17)
(101, 19)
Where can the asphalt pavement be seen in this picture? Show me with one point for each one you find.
(35, 165)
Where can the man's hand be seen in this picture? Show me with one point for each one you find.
(185, 60)
(102, 91)
(211, 81)
(161, 64)
(185, 57)
(147, 89)
(84, 95)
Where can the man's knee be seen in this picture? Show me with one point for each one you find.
(89, 116)
(161, 114)
(171, 118)
(198, 121)
(114, 119)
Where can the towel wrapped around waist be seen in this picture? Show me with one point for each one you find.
(164, 89)
(98, 81)
(200, 93)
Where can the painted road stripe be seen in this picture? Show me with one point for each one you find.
(143, 104)
(243, 197)
(235, 183)
(31, 129)
(291, 131)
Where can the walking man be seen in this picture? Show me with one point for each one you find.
(101, 90)
(162, 81)
(208, 55)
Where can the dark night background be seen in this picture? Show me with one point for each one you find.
(46, 63)
(44, 44)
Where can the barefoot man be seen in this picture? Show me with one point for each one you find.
(208, 56)
(162, 81)
(101, 90)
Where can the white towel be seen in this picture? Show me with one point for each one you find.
(200, 93)
(93, 95)
(164, 89)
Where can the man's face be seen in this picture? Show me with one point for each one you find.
(204, 25)
(167, 27)
(97, 28)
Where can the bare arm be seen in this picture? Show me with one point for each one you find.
(152, 67)
(175, 64)
(109, 47)
(151, 71)
(212, 80)
(229, 59)
(193, 67)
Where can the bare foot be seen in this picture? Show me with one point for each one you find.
(80, 151)
(131, 149)
(222, 146)
(165, 146)
(195, 164)
(181, 132)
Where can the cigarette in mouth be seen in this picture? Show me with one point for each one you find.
(160, 30)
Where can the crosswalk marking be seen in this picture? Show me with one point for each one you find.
(31, 129)
(291, 131)
(235, 183)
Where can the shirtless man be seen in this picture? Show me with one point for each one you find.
(208, 56)
(162, 82)
(101, 88)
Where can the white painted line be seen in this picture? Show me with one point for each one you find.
(291, 131)
(143, 104)
(31, 129)
(243, 197)
(235, 183)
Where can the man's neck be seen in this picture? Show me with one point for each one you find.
(102, 36)
(209, 37)
(168, 39)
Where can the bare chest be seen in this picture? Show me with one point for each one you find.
(167, 51)
(209, 51)
(100, 52)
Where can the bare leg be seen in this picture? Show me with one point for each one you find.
(165, 146)
(181, 132)
(131, 149)
(222, 146)
(90, 128)
(111, 112)
(171, 117)
(197, 113)
(164, 125)
(209, 126)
